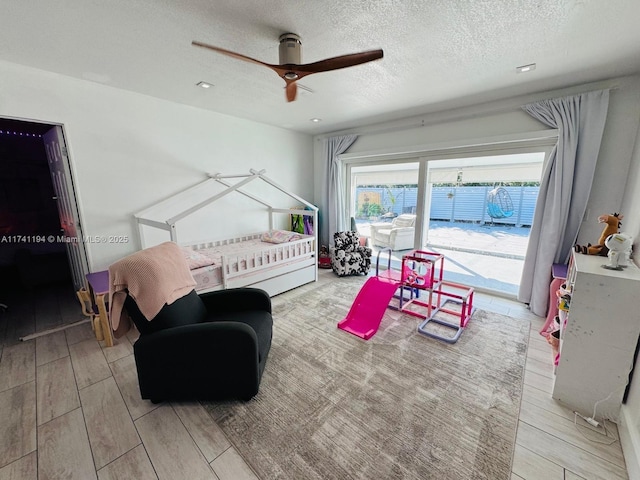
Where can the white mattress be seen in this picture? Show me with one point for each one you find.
(207, 277)
(249, 254)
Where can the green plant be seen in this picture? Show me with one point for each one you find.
(375, 210)
(363, 211)
(392, 198)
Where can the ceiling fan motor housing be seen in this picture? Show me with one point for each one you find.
(291, 68)
(290, 50)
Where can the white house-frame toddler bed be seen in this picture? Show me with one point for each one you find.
(274, 260)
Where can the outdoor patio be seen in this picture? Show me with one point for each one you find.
(487, 257)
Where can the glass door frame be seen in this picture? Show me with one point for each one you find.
(426, 156)
(424, 181)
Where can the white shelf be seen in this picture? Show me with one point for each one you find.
(600, 338)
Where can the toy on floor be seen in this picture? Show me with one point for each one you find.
(449, 305)
(559, 274)
(324, 259)
(551, 331)
(612, 226)
(367, 310)
(554, 340)
(421, 271)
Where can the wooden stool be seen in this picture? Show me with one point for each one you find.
(88, 311)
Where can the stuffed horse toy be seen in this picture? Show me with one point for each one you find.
(612, 226)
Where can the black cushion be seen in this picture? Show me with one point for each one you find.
(260, 321)
(209, 347)
(184, 311)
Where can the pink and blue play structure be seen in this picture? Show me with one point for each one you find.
(421, 272)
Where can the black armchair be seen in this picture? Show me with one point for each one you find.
(211, 346)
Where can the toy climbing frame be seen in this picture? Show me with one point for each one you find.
(447, 304)
(459, 295)
(421, 271)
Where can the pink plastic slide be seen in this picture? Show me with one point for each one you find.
(365, 315)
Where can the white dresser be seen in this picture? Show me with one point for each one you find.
(598, 344)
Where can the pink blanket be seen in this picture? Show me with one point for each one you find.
(154, 277)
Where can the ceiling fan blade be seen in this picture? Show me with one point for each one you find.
(291, 72)
(291, 91)
(232, 54)
(278, 69)
(336, 63)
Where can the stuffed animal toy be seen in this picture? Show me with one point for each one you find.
(612, 226)
(324, 260)
(619, 245)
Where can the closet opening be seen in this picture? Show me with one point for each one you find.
(40, 269)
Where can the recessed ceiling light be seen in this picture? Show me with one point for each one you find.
(316, 120)
(204, 84)
(526, 68)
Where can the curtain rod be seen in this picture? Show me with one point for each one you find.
(462, 113)
(396, 128)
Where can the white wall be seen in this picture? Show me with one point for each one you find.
(616, 187)
(631, 201)
(630, 414)
(129, 151)
(505, 117)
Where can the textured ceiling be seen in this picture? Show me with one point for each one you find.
(438, 54)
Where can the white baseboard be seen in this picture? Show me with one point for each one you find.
(26, 338)
(630, 442)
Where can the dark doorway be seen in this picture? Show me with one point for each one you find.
(31, 265)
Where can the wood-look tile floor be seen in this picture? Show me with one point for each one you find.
(71, 409)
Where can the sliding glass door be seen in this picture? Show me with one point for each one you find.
(480, 215)
(476, 210)
(385, 195)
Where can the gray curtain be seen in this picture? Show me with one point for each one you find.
(333, 219)
(564, 189)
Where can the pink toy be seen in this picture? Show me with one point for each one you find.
(421, 272)
(559, 274)
(365, 315)
(367, 310)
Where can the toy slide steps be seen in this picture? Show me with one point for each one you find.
(365, 315)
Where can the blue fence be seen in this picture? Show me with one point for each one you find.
(455, 204)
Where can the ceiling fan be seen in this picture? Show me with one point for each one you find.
(290, 69)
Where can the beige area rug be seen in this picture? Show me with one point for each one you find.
(400, 405)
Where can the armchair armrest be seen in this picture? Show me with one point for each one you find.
(380, 224)
(403, 231)
(219, 357)
(402, 238)
(236, 300)
(375, 226)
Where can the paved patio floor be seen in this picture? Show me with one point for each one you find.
(489, 258)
